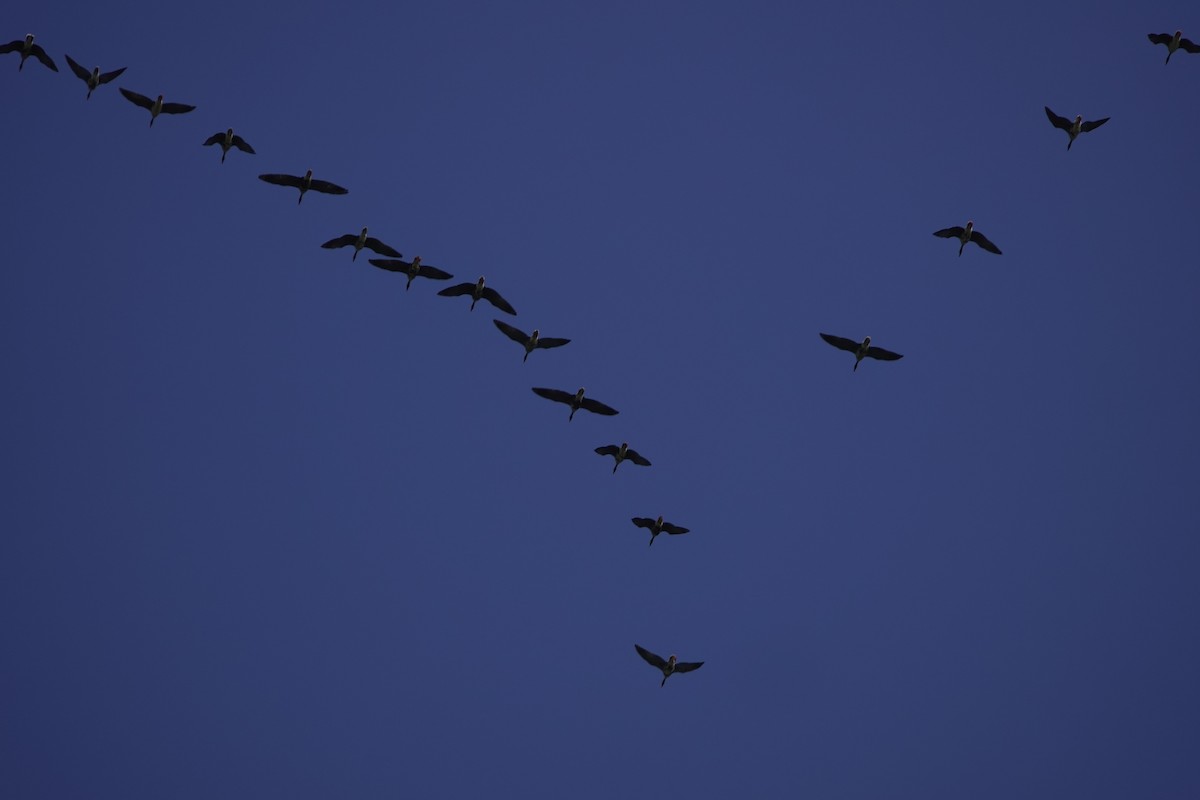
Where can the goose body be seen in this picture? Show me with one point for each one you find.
(623, 453)
(576, 401)
(967, 234)
(93, 79)
(26, 47)
(227, 140)
(304, 183)
(413, 269)
(1073, 128)
(359, 241)
(479, 291)
(530, 341)
(156, 107)
(1173, 43)
(668, 666)
(861, 350)
(657, 526)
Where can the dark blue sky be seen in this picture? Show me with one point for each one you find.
(274, 526)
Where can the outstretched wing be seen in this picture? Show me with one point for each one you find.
(656, 661)
(596, 407)
(177, 108)
(1160, 38)
(557, 395)
(550, 341)
(381, 248)
(1189, 46)
(1057, 121)
(609, 450)
(1091, 126)
(341, 241)
(644, 522)
(950, 233)
(327, 187)
(457, 289)
(673, 529)
(391, 265)
(493, 297)
(242, 144)
(79, 71)
(281, 180)
(105, 77)
(637, 458)
(138, 99)
(840, 342)
(12, 46)
(216, 138)
(688, 666)
(511, 332)
(434, 273)
(41, 55)
(981, 240)
(883, 355)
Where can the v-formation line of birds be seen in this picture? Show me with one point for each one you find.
(478, 290)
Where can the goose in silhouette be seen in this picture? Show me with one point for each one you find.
(93, 79)
(359, 241)
(413, 269)
(156, 107)
(303, 184)
(657, 526)
(227, 140)
(478, 292)
(967, 234)
(863, 350)
(623, 453)
(530, 341)
(1075, 128)
(576, 401)
(668, 666)
(1173, 43)
(27, 48)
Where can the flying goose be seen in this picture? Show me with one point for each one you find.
(1075, 128)
(967, 234)
(530, 341)
(27, 48)
(861, 350)
(576, 401)
(361, 240)
(479, 292)
(1173, 43)
(303, 184)
(657, 526)
(668, 666)
(227, 140)
(156, 107)
(93, 79)
(413, 269)
(623, 453)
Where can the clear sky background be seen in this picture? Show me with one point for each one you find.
(274, 527)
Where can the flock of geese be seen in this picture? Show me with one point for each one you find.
(392, 261)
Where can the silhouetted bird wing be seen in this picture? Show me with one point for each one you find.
(242, 144)
(1057, 121)
(105, 77)
(41, 55)
(457, 290)
(216, 138)
(688, 666)
(654, 660)
(1161, 38)
(673, 529)
(596, 407)
(341, 241)
(981, 240)
(12, 47)
(637, 458)
(327, 187)
(434, 273)
(138, 99)
(294, 181)
(608, 450)
(1091, 126)
(513, 333)
(493, 297)
(79, 71)
(391, 265)
(381, 248)
(1189, 46)
(551, 341)
(950, 233)
(883, 355)
(557, 395)
(177, 108)
(644, 522)
(841, 342)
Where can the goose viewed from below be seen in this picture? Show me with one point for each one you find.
(1075, 128)
(657, 526)
(227, 140)
(967, 234)
(413, 269)
(359, 241)
(93, 79)
(623, 453)
(27, 48)
(1173, 43)
(156, 107)
(478, 291)
(304, 184)
(530, 341)
(861, 350)
(576, 401)
(668, 666)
